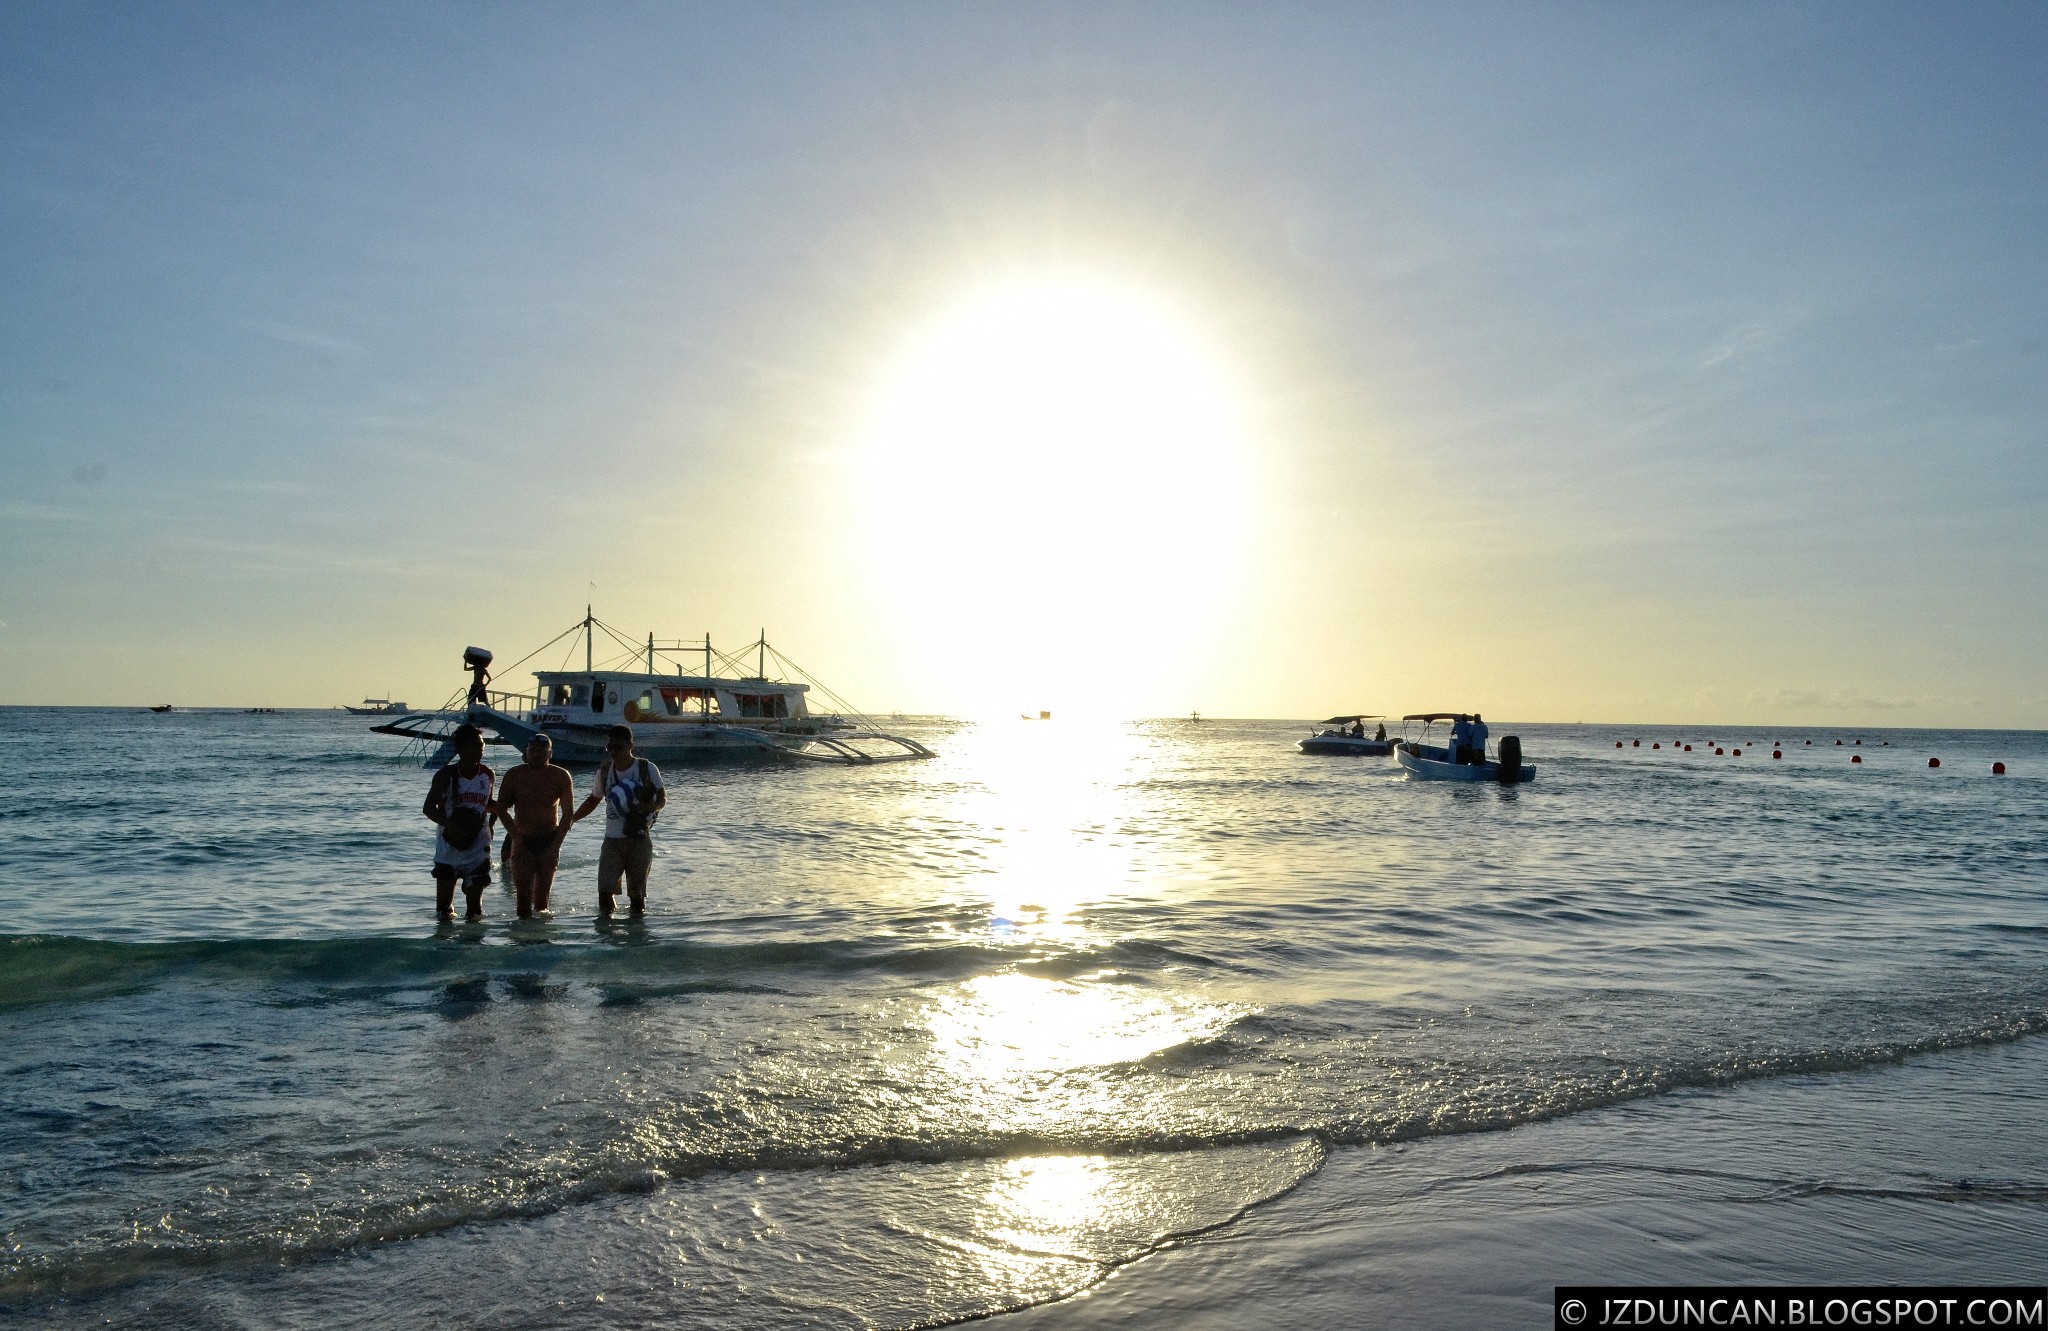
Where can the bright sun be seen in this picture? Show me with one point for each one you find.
(1057, 489)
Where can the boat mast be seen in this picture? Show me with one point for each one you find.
(761, 665)
(704, 694)
(650, 651)
(586, 638)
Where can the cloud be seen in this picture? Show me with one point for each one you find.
(42, 513)
(1841, 700)
(1744, 342)
(307, 337)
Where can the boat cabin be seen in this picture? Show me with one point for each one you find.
(638, 698)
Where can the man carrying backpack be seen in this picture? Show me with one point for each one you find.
(459, 805)
(632, 792)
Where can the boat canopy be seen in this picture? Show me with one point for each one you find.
(1362, 716)
(1437, 716)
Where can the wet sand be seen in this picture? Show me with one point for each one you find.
(1934, 1171)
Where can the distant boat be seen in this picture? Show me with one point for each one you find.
(1341, 741)
(1431, 762)
(378, 707)
(1194, 716)
(165, 708)
(727, 707)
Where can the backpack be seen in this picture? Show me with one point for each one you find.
(633, 821)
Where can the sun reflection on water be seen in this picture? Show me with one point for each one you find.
(995, 1030)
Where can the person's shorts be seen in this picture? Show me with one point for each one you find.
(629, 857)
(472, 877)
(540, 848)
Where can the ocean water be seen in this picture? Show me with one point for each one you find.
(931, 1041)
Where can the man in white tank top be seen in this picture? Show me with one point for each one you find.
(459, 804)
(633, 793)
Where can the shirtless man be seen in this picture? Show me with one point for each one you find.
(537, 799)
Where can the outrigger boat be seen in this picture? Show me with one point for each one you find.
(1342, 741)
(377, 707)
(1434, 762)
(718, 710)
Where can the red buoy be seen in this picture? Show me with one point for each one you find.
(1737, 753)
(1859, 743)
(1617, 744)
(1998, 769)
(1720, 753)
(1934, 762)
(1777, 753)
(1855, 757)
(1635, 744)
(1809, 743)
(1688, 748)
(1656, 746)
(1838, 744)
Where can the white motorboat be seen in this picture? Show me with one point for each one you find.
(709, 706)
(1333, 738)
(1438, 762)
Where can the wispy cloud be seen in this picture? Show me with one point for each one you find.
(310, 338)
(1742, 343)
(1840, 700)
(44, 513)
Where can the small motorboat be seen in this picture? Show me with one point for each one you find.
(1334, 738)
(165, 708)
(1440, 762)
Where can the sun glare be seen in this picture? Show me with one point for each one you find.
(1057, 480)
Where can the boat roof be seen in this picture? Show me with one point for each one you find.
(1438, 716)
(671, 681)
(1362, 716)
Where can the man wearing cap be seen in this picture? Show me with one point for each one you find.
(633, 794)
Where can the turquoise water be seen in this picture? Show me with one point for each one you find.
(927, 1041)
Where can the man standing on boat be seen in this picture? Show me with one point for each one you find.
(533, 795)
(459, 805)
(632, 792)
(1461, 739)
(1478, 739)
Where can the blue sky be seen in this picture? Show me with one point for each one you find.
(1596, 362)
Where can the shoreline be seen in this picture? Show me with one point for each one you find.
(1931, 1171)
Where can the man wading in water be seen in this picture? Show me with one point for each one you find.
(538, 799)
(632, 792)
(459, 804)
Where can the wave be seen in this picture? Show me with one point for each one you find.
(38, 969)
(648, 1161)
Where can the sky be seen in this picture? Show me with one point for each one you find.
(1568, 362)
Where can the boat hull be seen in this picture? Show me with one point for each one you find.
(709, 742)
(1428, 763)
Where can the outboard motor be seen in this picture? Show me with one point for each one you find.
(1510, 759)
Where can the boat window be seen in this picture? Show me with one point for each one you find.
(596, 695)
(763, 704)
(689, 702)
(566, 694)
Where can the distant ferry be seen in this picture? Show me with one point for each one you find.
(674, 716)
(378, 707)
